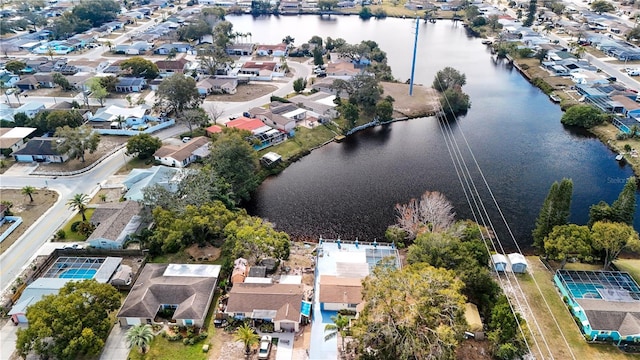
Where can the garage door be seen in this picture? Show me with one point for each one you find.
(133, 321)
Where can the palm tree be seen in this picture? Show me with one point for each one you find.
(139, 336)
(248, 337)
(79, 202)
(339, 326)
(29, 190)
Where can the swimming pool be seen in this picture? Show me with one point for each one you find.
(78, 274)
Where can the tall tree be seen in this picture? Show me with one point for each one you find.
(448, 78)
(586, 116)
(624, 207)
(70, 325)
(602, 6)
(15, 66)
(143, 145)
(611, 238)
(61, 81)
(555, 211)
(299, 84)
(76, 141)
(254, 239)
(431, 213)
(247, 336)
(339, 327)
(139, 336)
(233, 159)
(98, 91)
(212, 58)
(79, 203)
(566, 241)
(384, 111)
(622, 210)
(193, 117)
(505, 331)
(179, 92)
(29, 191)
(412, 313)
(139, 66)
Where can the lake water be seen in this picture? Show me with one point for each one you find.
(348, 190)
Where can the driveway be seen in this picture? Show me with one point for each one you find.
(115, 348)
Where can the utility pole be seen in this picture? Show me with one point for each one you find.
(413, 62)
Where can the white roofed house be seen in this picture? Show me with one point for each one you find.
(184, 154)
(274, 120)
(12, 139)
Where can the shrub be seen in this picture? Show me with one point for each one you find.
(565, 299)
(175, 337)
(85, 229)
(61, 235)
(74, 226)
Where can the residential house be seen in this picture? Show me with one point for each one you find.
(320, 105)
(167, 68)
(40, 149)
(257, 68)
(276, 121)
(262, 135)
(339, 293)
(184, 154)
(139, 179)
(27, 83)
(12, 139)
(256, 126)
(166, 48)
(605, 304)
(277, 303)
(45, 80)
(8, 80)
(213, 129)
(80, 82)
(288, 110)
(115, 223)
(31, 108)
(278, 50)
(6, 112)
(342, 70)
(324, 85)
(187, 289)
(130, 84)
(240, 49)
(211, 85)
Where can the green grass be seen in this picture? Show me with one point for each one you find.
(581, 266)
(632, 266)
(305, 139)
(135, 163)
(74, 236)
(581, 349)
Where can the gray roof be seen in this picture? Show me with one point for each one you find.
(38, 146)
(138, 179)
(623, 317)
(153, 288)
(115, 221)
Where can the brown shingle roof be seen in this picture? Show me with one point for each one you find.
(172, 64)
(335, 289)
(621, 316)
(284, 299)
(180, 153)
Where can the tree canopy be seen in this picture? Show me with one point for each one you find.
(602, 6)
(566, 241)
(448, 78)
(139, 66)
(586, 116)
(179, 92)
(143, 145)
(254, 240)
(431, 213)
(622, 210)
(75, 142)
(235, 161)
(611, 238)
(555, 211)
(72, 324)
(412, 313)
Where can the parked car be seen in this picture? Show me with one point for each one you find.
(186, 139)
(74, 246)
(265, 347)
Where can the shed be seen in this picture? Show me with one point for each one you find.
(499, 262)
(518, 263)
(474, 322)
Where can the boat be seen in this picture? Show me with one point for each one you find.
(620, 157)
(487, 42)
(555, 98)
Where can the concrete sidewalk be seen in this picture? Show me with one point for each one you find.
(8, 339)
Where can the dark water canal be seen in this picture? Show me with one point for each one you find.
(349, 189)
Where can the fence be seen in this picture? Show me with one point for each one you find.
(17, 220)
(149, 130)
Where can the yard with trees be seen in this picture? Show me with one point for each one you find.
(75, 142)
(72, 324)
(448, 82)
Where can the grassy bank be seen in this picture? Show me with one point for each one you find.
(550, 330)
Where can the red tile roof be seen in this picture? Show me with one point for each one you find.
(244, 123)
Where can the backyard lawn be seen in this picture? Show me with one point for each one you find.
(552, 335)
(305, 139)
(632, 266)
